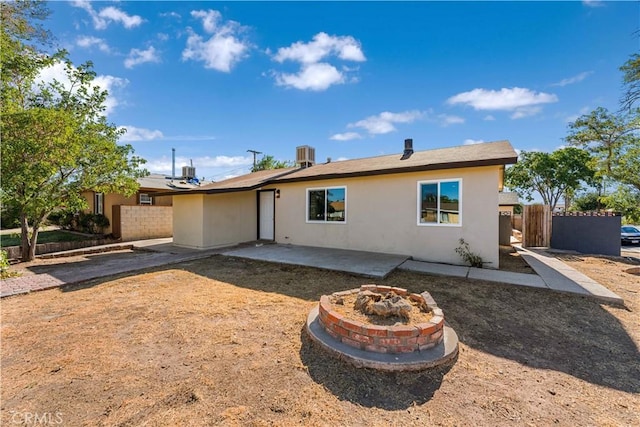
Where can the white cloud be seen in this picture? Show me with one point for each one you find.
(574, 79)
(384, 122)
(316, 77)
(523, 102)
(90, 41)
(175, 15)
(473, 141)
(322, 45)
(489, 118)
(316, 73)
(223, 49)
(446, 120)
(139, 134)
(116, 15)
(346, 136)
(593, 3)
(137, 57)
(525, 112)
(164, 164)
(111, 84)
(102, 19)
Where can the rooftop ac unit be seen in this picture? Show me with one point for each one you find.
(305, 156)
(188, 172)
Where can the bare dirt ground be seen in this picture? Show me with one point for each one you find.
(221, 341)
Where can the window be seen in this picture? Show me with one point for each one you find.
(145, 199)
(439, 202)
(98, 203)
(326, 204)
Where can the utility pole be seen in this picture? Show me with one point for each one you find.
(255, 153)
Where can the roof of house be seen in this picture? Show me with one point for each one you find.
(154, 181)
(508, 199)
(485, 154)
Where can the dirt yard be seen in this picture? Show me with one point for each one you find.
(221, 341)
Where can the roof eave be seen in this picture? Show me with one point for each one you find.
(420, 168)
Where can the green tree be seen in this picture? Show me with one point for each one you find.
(631, 81)
(269, 162)
(551, 175)
(56, 141)
(606, 135)
(589, 201)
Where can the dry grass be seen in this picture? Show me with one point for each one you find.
(221, 341)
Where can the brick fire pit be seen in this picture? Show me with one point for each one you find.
(397, 347)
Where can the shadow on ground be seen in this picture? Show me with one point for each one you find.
(368, 387)
(533, 327)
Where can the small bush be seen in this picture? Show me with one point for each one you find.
(93, 223)
(4, 266)
(465, 253)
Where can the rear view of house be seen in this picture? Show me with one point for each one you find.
(411, 203)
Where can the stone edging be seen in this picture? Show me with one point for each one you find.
(383, 339)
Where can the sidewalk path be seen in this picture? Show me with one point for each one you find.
(551, 273)
(110, 260)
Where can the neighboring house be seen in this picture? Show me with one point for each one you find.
(507, 201)
(146, 195)
(415, 203)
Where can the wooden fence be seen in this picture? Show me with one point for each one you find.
(536, 226)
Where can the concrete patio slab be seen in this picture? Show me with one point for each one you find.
(369, 264)
(435, 268)
(521, 279)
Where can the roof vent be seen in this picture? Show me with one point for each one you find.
(305, 156)
(408, 149)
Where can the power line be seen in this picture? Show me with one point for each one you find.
(254, 156)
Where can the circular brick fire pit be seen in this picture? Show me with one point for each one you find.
(396, 331)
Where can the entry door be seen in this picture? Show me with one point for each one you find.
(266, 212)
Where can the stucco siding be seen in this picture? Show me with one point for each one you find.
(382, 216)
(188, 225)
(229, 218)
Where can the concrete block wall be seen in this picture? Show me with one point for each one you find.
(145, 222)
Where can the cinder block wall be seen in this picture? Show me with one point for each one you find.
(145, 222)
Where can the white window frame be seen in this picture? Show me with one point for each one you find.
(98, 203)
(419, 203)
(149, 200)
(325, 189)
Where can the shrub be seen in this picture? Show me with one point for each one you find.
(4, 266)
(465, 253)
(93, 223)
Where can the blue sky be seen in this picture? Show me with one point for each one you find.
(352, 79)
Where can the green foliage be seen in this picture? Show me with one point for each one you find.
(631, 81)
(4, 266)
(93, 223)
(269, 162)
(606, 135)
(550, 174)
(627, 201)
(465, 253)
(56, 140)
(587, 202)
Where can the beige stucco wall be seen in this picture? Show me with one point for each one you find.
(188, 230)
(230, 218)
(382, 216)
(209, 221)
(145, 222)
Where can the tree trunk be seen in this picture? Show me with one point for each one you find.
(34, 241)
(25, 243)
